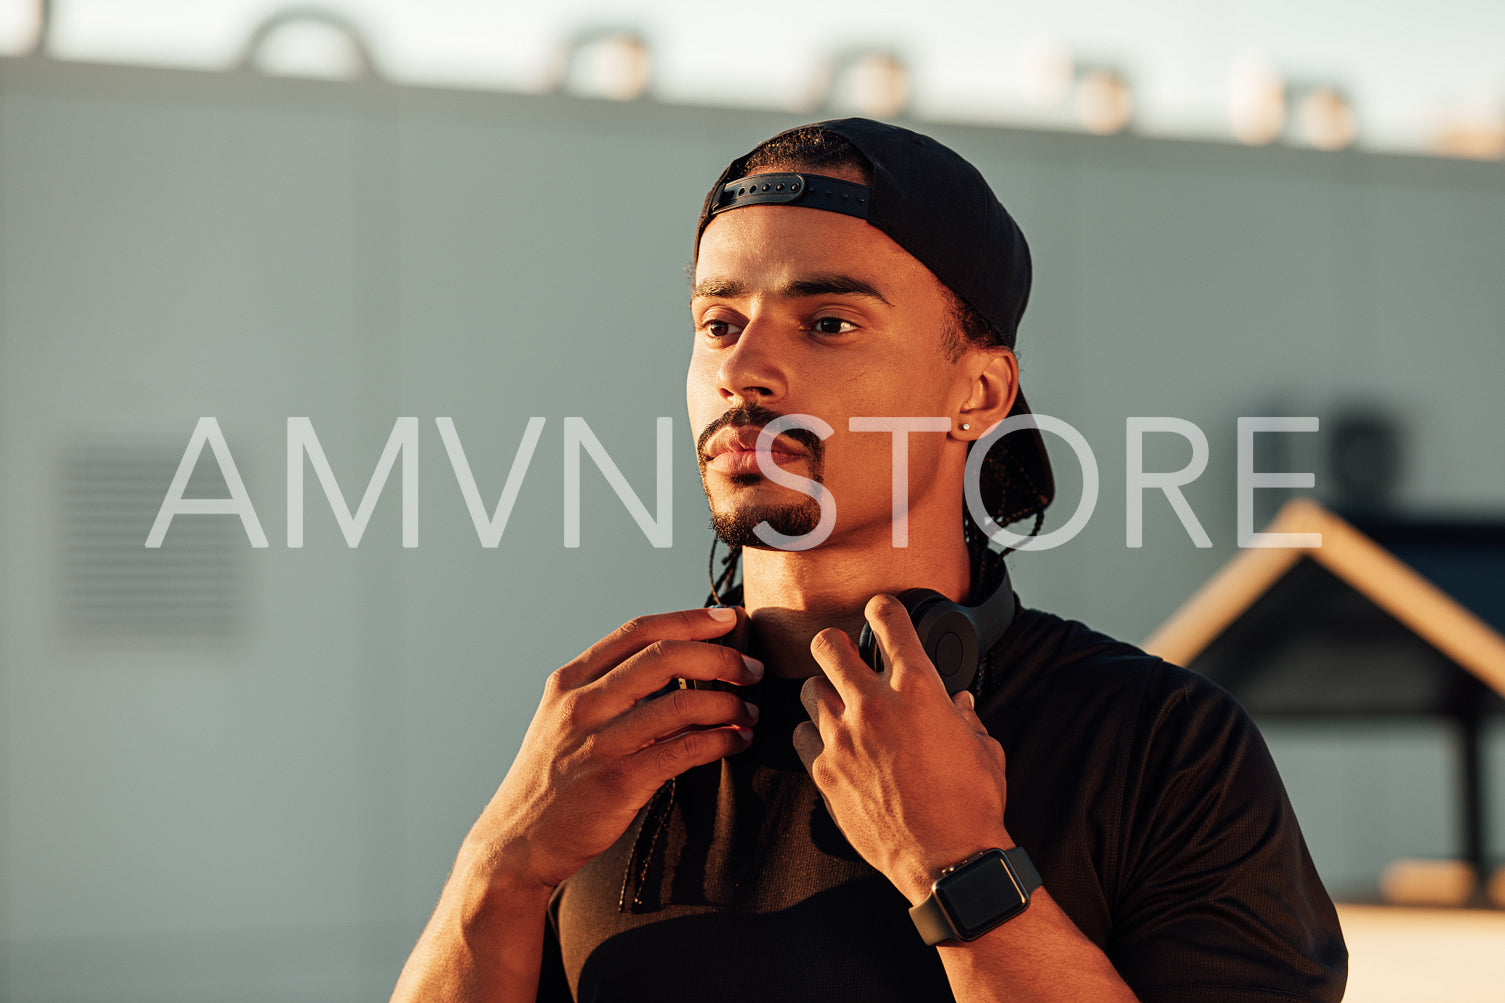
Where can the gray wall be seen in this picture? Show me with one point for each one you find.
(241, 774)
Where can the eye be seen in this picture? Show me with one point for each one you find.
(832, 325)
(717, 328)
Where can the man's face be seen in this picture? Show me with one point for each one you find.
(803, 311)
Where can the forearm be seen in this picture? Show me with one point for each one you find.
(483, 943)
(1038, 957)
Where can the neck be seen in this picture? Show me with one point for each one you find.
(792, 596)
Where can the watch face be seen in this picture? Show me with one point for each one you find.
(981, 895)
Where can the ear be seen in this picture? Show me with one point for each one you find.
(994, 381)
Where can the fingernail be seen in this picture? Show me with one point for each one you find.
(754, 666)
(971, 700)
(743, 733)
(722, 613)
(752, 710)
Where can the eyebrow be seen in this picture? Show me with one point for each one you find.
(811, 285)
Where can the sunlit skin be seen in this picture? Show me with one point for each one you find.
(813, 312)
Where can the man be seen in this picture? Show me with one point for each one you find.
(1083, 823)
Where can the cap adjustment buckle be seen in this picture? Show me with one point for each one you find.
(812, 191)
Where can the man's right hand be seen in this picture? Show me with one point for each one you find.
(597, 750)
(594, 754)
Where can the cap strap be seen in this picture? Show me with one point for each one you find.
(813, 191)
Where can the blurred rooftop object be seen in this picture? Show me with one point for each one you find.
(1477, 136)
(1388, 80)
(309, 40)
(871, 82)
(608, 62)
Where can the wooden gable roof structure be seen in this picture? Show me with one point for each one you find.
(1348, 629)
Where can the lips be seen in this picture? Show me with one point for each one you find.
(734, 451)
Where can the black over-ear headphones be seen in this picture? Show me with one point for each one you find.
(954, 636)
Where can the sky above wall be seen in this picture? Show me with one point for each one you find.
(1409, 70)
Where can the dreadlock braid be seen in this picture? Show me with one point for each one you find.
(723, 592)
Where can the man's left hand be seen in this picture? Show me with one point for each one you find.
(909, 774)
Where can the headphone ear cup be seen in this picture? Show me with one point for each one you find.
(915, 601)
(954, 637)
(946, 632)
(950, 640)
(867, 647)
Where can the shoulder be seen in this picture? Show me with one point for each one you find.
(1048, 660)
(1086, 710)
(1160, 817)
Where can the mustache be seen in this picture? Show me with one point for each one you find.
(758, 415)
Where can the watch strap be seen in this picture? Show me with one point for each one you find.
(930, 917)
(1024, 868)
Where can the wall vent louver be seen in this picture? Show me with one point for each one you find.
(113, 585)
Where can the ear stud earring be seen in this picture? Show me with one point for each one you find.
(966, 427)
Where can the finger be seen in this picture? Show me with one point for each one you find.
(672, 756)
(662, 662)
(635, 635)
(843, 666)
(903, 654)
(966, 705)
(807, 743)
(821, 702)
(808, 746)
(663, 717)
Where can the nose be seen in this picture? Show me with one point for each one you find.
(752, 370)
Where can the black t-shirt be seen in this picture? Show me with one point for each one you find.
(1143, 793)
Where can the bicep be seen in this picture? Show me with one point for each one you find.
(1219, 898)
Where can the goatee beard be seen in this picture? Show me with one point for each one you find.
(736, 528)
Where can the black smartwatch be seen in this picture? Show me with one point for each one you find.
(974, 896)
